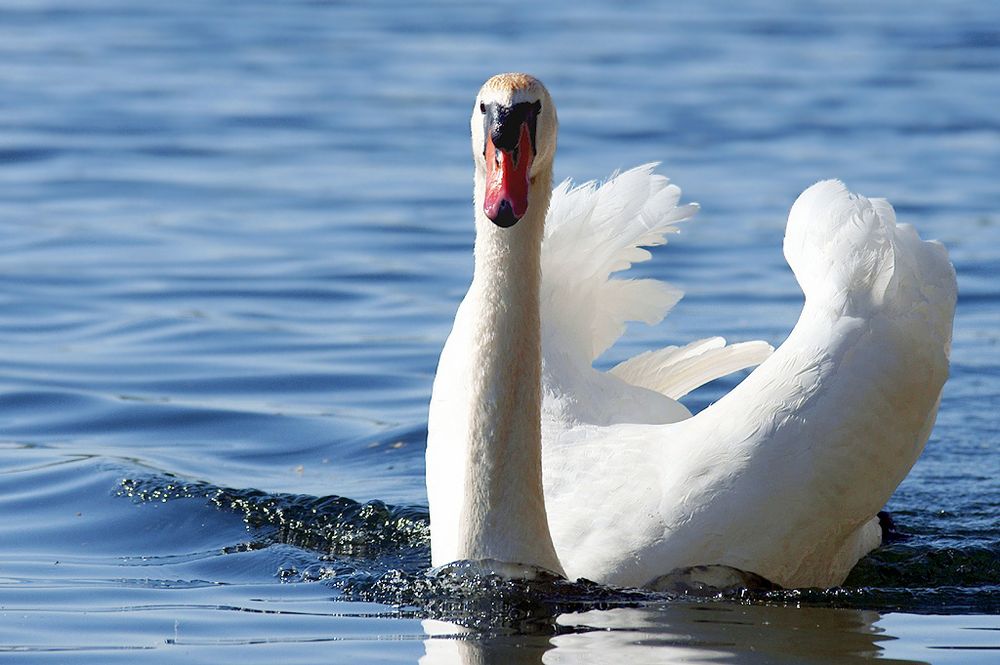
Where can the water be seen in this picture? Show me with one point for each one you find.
(233, 236)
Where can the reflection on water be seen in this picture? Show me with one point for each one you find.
(722, 633)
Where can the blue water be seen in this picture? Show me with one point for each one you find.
(232, 240)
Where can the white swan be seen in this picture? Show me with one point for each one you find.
(535, 457)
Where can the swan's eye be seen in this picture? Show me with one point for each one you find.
(482, 107)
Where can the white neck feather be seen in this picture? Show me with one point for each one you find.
(503, 514)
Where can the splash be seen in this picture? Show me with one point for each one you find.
(380, 553)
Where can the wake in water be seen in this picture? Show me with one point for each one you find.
(380, 553)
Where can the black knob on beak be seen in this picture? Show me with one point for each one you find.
(505, 217)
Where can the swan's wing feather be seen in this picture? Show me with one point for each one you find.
(591, 232)
(783, 475)
(839, 245)
(675, 371)
(842, 409)
(847, 251)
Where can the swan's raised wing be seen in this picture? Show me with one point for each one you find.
(783, 475)
(593, 232)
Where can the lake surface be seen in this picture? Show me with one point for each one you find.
(232, 240)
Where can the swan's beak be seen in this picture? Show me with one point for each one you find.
(509, 151)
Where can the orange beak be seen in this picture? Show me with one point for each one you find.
(509, 152)
(507, 180)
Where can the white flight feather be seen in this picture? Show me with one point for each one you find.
(592, 231)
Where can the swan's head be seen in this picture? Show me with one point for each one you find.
(513, 140)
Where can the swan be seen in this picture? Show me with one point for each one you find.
(536, 458)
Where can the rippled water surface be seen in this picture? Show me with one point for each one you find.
(232, 239)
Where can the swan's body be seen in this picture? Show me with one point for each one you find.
(535, 457)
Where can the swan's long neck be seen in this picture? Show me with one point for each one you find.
(503, 516)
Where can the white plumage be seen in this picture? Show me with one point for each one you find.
(591, 233)
(782, 477)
